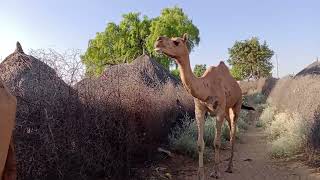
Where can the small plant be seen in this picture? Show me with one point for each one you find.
(183, 138)
(284, 146)
(259, 98)
(279, 126)
(287, 133)
(266, 117)
(259, 124)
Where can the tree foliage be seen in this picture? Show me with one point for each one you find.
(117, 44)
(176, 73)
(199, 69)
(135, 35)
(172, 22)
(250, 59)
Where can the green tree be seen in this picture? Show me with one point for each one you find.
(199, 69)
(250, 59)
(172, 22)
(176, 73)
(134, 36)
(117, 44)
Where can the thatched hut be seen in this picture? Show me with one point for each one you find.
(312, 69)
(97, 130)
(151, 99)
(46, 108)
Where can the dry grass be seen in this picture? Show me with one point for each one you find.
(297, 95)
(266, 117)
(287, 133)
(263, 85)
(183, 138)
(290, 119)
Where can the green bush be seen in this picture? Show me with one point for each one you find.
(266, 117)
(183, 138)
(176, 73)
(259, 98)
(287, 132)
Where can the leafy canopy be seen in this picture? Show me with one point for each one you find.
(199, 69)
(175, 73)
(172, 22)
(136, 35)
(117, 44)
(250, 59)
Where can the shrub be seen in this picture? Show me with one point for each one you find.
(278, 126)
(183, 138)
(314, 135)
(299, 95)
(266, 116)
(259, 98)
(284, 146)
(288, 134)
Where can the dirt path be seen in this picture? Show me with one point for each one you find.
(251, 163)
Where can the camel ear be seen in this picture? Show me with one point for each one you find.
(185, 37)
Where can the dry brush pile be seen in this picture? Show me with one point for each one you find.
(99, 129)
(46, 108)
(292, 116)
(262, 85)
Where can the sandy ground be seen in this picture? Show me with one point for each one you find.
(251, 162)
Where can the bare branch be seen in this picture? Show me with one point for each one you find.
(67, 64)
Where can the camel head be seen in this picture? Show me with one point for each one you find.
(175, 47)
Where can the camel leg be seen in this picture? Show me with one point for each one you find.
(233, 120)
(229, 122)
(233, 115)
(217, 144)
(229, 125)
(200, 113)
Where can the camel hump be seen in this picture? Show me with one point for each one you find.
(223, 66)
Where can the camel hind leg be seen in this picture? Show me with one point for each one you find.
(200, 114)
(217, 145)
(233, 117)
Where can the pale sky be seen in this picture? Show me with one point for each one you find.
(290, 27)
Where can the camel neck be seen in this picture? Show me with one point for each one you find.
(190, 82)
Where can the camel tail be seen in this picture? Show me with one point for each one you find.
(247, 107)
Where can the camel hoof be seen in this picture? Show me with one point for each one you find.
(201, 173)
(215, 175)
(229, 170)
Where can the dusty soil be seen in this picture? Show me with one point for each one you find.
(251, 162)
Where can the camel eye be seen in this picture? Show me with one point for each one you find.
(176, 43)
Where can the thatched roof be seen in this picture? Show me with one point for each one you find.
(31, 79)
(151, 71)
(45, 105)
(143, 68)
(139, 79)
(127, 110)
(312, 69)
(154, 98)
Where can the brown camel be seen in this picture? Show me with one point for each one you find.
(216, 92)
(8, 104)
